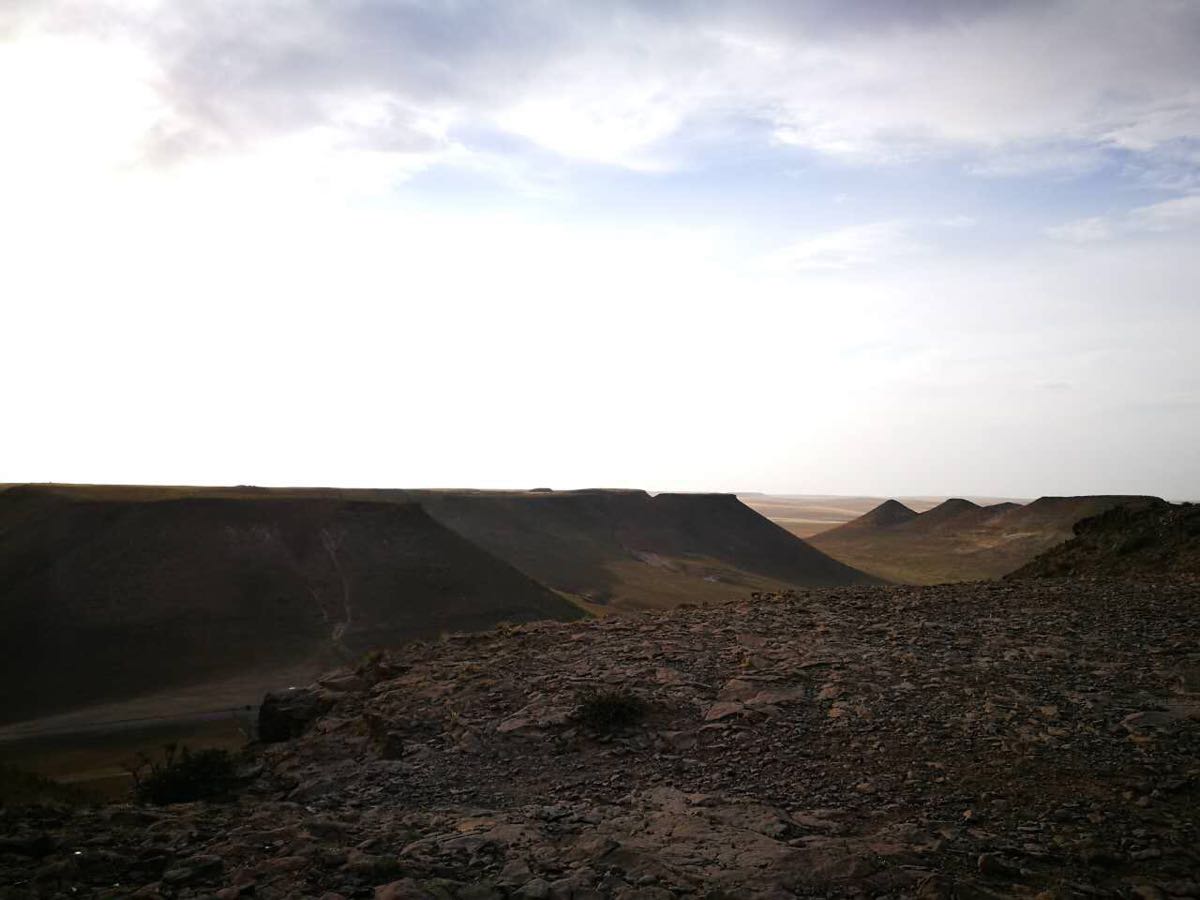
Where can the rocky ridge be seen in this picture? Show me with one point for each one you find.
(1146, 538)
(1035, 739)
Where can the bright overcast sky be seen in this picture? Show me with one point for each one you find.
(846, 247)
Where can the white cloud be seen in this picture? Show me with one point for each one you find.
(854, 247)
(198, 214)
(1047, 157)
(864, 245)
(616, 131)
(1029, 88)
(1169, 215)
(1082, 231)
(1018, 87)
(1176, 214)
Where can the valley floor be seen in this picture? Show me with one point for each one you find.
(1036, 738)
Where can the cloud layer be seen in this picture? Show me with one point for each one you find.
(1009, 86)
(606, 242)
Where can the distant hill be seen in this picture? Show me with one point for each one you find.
(108, 592)
(106, 600)
(945, 512)
(958, 540)
(885, 515)
(1144, 538)
(807, 514)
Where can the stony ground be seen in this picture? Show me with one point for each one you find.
(1014, 739)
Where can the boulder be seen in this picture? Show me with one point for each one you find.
(284, 715)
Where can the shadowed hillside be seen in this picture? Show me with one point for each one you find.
(604, 547)
(957, 540)
(150, 590)
(1150, 537)
(104, 600)
(632, 550)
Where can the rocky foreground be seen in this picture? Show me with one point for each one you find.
(1015, 739)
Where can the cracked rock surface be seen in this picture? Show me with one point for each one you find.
(1036, 739)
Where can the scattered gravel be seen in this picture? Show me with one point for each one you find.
(1036, 738)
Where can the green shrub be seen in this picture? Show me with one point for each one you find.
(183, 776)
(609, 709)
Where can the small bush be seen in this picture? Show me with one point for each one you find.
(371, 667)
(369, 660)
(609, 709)
(182, 776)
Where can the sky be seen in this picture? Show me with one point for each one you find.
(938, 247)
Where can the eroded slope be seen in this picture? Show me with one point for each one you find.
(631, 550)
(605, 548)
(104, 600)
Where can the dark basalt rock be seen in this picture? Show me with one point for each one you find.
(1150, 538)
(284, 715)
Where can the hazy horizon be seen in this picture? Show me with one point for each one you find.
(865, 249)
(924, 498)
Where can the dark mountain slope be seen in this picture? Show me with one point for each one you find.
(630, 549)
(104, 600)
(1149, 537)
(619, 547)
(114, 593)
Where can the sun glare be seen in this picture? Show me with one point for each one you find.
(76, 109)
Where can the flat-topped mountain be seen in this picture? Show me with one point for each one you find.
(958, 540)
(150, 590)
(107, 600)
(632, 550)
